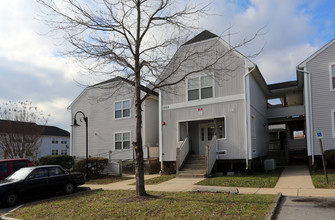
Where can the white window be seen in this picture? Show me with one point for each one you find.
(200, 88)
(221, 126)
(332, 77)
(54, 152)
(253, 127)
(63, 141)
(54, 140)
(333, 122)
(122, 109)
(122, 141)
(63, 152)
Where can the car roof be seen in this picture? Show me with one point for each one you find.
(44, 166)
(19, 159)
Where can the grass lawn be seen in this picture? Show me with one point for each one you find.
(257, 180)
(107, 179)
(157, 180)
(319, 179)
(111, 205)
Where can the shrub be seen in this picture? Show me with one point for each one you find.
(96, 166)
(65, 161)
(330, 156)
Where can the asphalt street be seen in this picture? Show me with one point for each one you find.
(307, 208)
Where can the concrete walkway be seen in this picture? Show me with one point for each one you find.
(294, 181)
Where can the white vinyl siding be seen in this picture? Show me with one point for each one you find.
(200, 88)
(122, 109)
(333, 122)
(122, 140)
(332, 77)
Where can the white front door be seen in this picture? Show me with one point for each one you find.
(206, 133)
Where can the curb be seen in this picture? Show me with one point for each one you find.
(215, 189)
(275, 204)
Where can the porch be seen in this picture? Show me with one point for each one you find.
(197, 153)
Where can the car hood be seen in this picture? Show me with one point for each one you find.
(6, 182)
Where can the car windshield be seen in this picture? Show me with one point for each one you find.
(21, 174)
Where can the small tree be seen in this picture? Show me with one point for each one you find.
(19, 133)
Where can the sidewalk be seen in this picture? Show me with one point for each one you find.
(294, 181)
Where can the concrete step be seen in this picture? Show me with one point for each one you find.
(194, 166)
(184, 170)
(191, 176)
(196, 157)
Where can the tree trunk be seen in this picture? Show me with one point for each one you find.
(138, 145)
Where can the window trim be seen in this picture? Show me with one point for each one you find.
(122, 132)
(331, 77)
(253, 126)
(122, 109)
(52, 142)
(199, 88)
(52, 150)
(333, 122)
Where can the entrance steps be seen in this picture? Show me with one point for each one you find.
(194, 167)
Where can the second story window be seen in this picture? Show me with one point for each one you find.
(54, 140)
(63, 141)
(200, 88)
(122, 109)
(332, 77)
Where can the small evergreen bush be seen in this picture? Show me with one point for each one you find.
(96, 166)
(65, 161)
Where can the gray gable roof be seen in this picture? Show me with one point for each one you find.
(205, 35)
(46, 130)
(119, 78)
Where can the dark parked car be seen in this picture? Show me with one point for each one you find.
(9, 166)
(39, 179)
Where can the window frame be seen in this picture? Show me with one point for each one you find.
(332, 86)
(63, 140)
(122, 109)
(54, 150)
(253, 126)
(200, 87)
(54, 140)
(122, 142)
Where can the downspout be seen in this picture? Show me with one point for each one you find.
(247, 111)
(309, 120)
(160, 133)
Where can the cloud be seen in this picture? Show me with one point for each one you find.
(287, 28)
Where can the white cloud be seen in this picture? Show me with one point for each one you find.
(287, 27)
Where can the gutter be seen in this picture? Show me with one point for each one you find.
(308, 104)
(160, 133)
(248, 120)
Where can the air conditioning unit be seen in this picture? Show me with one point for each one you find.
(269, 164)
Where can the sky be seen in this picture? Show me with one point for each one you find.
(32, 69)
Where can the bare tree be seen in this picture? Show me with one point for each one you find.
(19, 133)
(135, 39)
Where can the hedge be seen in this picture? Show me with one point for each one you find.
(330, 156)
(96, 166)
(65, 161)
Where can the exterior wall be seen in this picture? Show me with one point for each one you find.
(99, 106)
(259, 128)
(150, 121)
(233, 112)
(228, 101)
(227, 73)
(323, 99)
(47, 146)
